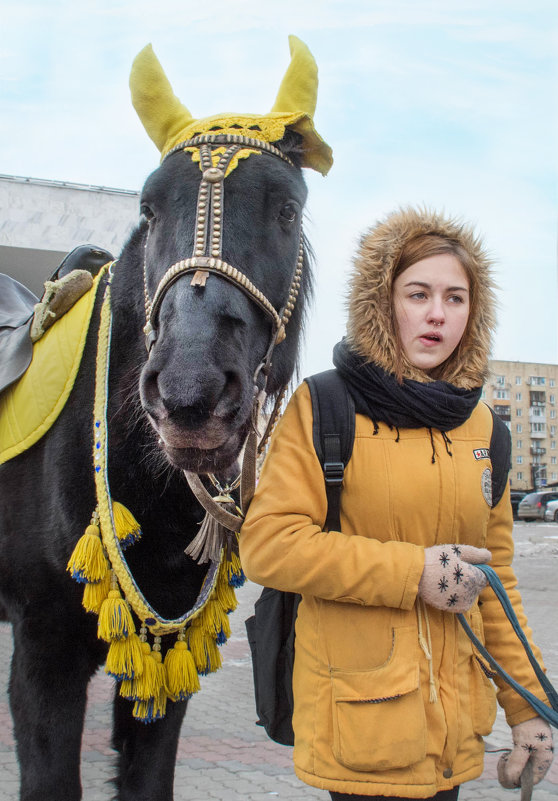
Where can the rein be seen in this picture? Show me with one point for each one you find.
(220, 521)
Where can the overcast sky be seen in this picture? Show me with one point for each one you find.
(448, 103)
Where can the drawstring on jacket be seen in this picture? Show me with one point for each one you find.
(447, 443)
(426, 645)
(433, 446)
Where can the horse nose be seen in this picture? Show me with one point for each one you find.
(191, 399)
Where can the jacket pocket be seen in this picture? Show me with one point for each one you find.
(379, 720)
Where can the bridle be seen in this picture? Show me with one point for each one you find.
(207, 253)
(207, 260)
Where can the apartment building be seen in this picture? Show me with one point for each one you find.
(523, 395)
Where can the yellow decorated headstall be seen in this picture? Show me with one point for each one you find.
(208, 239)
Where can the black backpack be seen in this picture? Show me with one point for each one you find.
(271, 629)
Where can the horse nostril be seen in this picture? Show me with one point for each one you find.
(229, 400)
(150, 397)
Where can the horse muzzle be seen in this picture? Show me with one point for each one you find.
(201, 452)
(200, 416)
(213, 434)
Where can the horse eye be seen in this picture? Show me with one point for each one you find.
(288, 212)
(146, 212)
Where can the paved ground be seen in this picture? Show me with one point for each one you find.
(224, 756)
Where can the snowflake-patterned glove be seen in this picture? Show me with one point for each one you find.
(531, 739)
(449, 580)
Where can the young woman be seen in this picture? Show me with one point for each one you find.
(391, 700)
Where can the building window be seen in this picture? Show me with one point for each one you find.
(553, 460)
(519, 476)
(537, 397)
(518, 380)
(500, 380)
(502, 394)
(503, 412)
(537, 427)
(553, 414)
(519, 428)
(519, 444)
(536, 411)
(553, 398)
(552, 382)
(552, 444)
(519, 459)
(518, 412)
(552, 431)
(554, 476)
(537, 380)
(518, 396)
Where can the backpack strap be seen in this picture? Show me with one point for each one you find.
(500, 456)
(333, 433)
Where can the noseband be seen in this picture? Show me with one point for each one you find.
(208, 242)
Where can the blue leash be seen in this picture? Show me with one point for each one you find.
(548, 713)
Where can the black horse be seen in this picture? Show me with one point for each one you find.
(184, 402)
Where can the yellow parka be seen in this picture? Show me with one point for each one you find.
(390, 697)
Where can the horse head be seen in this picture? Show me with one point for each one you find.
(223, 264)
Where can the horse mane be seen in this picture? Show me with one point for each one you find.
(286, 363)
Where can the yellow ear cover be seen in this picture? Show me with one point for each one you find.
(299, 88)
(169, 123)
(161, 112)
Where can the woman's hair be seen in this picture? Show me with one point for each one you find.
(422, 247)
(389, 248)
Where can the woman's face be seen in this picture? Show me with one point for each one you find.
(431, 305)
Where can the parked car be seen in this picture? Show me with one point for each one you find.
(533, 505)
(551, 511)
(516, 497)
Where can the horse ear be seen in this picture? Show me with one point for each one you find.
(161, 112)
(299, 87)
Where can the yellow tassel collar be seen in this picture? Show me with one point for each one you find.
(110, 590)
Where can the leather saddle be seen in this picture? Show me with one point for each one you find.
(17, 310)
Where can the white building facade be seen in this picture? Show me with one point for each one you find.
(41, 221)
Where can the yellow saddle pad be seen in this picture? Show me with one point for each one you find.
(29, 408)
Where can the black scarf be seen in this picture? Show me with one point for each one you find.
(410, 404)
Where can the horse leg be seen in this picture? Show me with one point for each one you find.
(48, 691)
(147, 752)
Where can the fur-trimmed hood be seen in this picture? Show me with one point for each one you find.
(370, 329)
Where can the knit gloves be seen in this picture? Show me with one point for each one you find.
(531, 740)
(449, 580)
